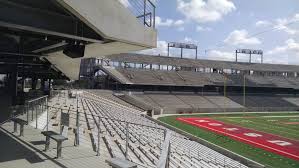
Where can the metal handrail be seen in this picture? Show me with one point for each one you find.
(144, 10)
(36, 99)
(32, 106)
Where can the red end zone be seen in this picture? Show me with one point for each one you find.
(273, 143)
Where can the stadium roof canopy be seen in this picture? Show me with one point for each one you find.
(200, 63)
(62, 32)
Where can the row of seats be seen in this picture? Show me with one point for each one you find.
(108, 94)
(278, 102)
(191, 78)
(171, 103)
(145, 137)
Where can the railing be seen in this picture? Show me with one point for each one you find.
(99, 123)
(100, 130)
(144, 10)
(53, 93)
(34, 108)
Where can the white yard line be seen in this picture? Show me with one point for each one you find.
(165, 115)
(290, 116)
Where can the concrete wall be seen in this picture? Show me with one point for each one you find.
(112, 20)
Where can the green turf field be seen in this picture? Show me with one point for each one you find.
(275, 123)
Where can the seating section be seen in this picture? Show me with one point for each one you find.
(104, 120)
(259, 81)
(168, 100)
(197, 101)
(179, 103)
(172, 103)
(266, 102)
(223, 102)
(62, 103)
(195, 78)
(98, 113)
(108, 94)
(293, 100)
(191, 78)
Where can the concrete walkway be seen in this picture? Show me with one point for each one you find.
(27, 151)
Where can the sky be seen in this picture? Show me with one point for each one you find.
(219, 27)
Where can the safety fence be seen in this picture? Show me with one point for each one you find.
(35, 108)
(144, 10)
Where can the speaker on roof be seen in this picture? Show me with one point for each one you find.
(74, 50)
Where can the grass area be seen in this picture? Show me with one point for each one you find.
(260, 122)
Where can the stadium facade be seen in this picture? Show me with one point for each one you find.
(239, 85)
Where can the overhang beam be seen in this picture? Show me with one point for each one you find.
(15, 15)
(45, 33)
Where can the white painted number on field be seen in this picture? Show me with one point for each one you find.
(215, 124)
(231, 129)
(253, 134)
(201, 121)
(280, 143)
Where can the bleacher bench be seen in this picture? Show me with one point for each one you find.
(55, 136)
(120, 163)
(21, 123)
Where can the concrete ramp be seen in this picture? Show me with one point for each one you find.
(116, 75)
(71, 67)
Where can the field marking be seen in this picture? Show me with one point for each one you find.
(290, 116)
(276, 129)
(291, 123)
(185, 114)
(241, 138)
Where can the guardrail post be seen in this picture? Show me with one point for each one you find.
(78, 123)
(165, 152)
(127, 139)
(168, 155)
(42, 106)
(154, 18)
(99, 137)
(36, 109)
(47, 111)
(27, 110)
(32, 111)
(140, 139)
(77, 129)
(144, 12)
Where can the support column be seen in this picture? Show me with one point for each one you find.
(33, 83)
(14, 86)
(23, 83)
(42, 85)
(49, 87)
